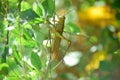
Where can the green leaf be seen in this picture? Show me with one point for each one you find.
(4, 68)
(37, 9)
(29, 44)
(35, 60)
(14, 69)
(28, 34)
(13, 0)
(28, 14)
(106, 66)
(118, 15)
(73, 28)
(49, 7)
(37, 21)
(1, 77)
(117, 51)
(41, 34)
(17, 55)
(5, 53)
(1, 47)
(25, 5)
(115, 4)
(93, 39)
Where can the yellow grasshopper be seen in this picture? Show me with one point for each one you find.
(58, 30)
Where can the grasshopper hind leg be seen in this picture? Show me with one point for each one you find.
(68, 44)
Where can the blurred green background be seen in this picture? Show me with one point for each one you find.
(27, 36)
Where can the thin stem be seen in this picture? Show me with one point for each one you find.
(21, 29)
(48, 69)
(5, 9)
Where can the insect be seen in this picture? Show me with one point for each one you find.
(58, 30)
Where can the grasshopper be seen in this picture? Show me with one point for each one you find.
(58, 30)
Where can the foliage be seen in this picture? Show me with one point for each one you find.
(28, 32)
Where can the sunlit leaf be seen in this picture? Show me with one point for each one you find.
(93, 39)
(117, 51)
(28, 34)
(17, 55)
(37, 9)
(25, 5)
(13, 78)
(14, 69)
(35, 60)
(95, 60)
(29, 44)
(37, 21)
(73, 58)
(13, 0)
